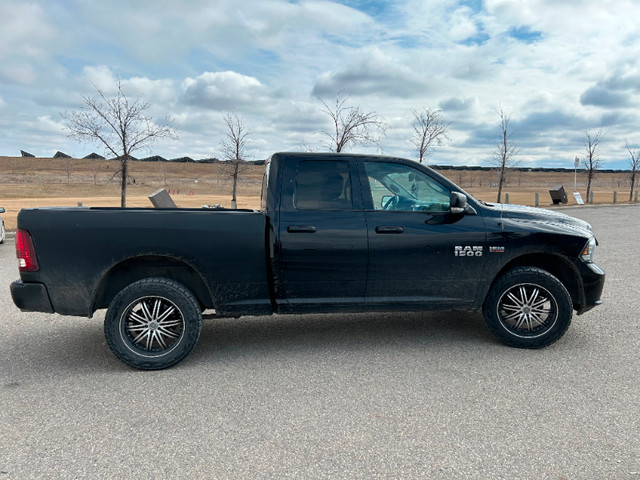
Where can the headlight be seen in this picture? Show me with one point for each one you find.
(588, 250)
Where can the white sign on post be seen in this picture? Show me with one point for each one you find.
(578, 198)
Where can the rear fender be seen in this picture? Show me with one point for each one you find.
(133, 269)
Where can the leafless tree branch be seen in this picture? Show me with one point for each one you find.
(505, 151)
(351, 125)
(429, 128)
(233, 147)
(634, 163)
(592, 162)
(118, 124)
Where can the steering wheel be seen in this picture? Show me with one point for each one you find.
(392, 203)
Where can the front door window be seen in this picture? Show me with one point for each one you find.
(399, 187)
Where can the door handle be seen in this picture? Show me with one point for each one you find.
(389, 229)
(301, 229)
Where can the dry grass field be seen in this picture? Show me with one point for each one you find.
(40, 182)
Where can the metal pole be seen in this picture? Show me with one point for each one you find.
(575, 173)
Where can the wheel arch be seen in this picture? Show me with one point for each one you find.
(557, 265)
(133, 269)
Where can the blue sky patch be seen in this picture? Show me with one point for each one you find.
(474, 5)
(525, 34)
(479, 38)
(380, 10)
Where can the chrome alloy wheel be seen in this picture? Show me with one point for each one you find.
(527, 310)
(152, 326)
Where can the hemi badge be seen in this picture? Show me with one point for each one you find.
(496, 249)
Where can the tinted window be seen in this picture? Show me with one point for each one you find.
(323, 185)
(395, 186)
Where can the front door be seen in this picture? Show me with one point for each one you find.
(419, 252)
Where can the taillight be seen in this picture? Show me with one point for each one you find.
(27, 261)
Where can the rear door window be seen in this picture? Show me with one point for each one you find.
(323, 185)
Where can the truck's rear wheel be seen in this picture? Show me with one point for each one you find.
(153, 323)
(528, 308)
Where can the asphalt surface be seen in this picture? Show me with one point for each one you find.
(331, 397)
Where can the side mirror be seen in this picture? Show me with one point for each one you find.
(457, 202)
(1, 210)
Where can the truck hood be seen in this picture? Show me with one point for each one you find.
(543, 216)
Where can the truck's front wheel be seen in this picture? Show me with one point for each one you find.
(153, 323)
(528, 308)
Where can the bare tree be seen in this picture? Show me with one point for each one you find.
(429, 128)
(117, 123)
(68, 159)
(591, 162)
(505, 151)
(164, 173)
(634, 163)
(352, 126)
(233, 149)
(95, 168)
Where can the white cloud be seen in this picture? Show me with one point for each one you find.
(462, 25)
(26, 38)
(45, 124)
(101, 77)
(17, 72)
(224, 91)
(25, 31)
(372, 73)
(161, 91)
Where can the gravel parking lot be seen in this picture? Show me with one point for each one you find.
(331, 397)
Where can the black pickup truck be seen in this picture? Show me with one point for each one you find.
(335, 233)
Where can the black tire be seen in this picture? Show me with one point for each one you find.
(153, 323)
(528, 308)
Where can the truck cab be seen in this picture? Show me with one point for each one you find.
(382, 233)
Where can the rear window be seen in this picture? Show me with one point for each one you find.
(265, 186)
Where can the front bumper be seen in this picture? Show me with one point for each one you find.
(31, 297)
(592, 282)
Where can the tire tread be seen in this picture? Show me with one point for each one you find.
(565, 308)
(193, 322)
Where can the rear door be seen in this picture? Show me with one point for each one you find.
(421, 254)
(322, 236)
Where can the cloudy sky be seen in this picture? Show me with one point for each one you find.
(557, 67)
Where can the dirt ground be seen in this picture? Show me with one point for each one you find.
(44, 182)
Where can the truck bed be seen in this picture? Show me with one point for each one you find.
(87, 254)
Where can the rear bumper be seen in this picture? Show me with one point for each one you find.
(593, 282)
(31, 297)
